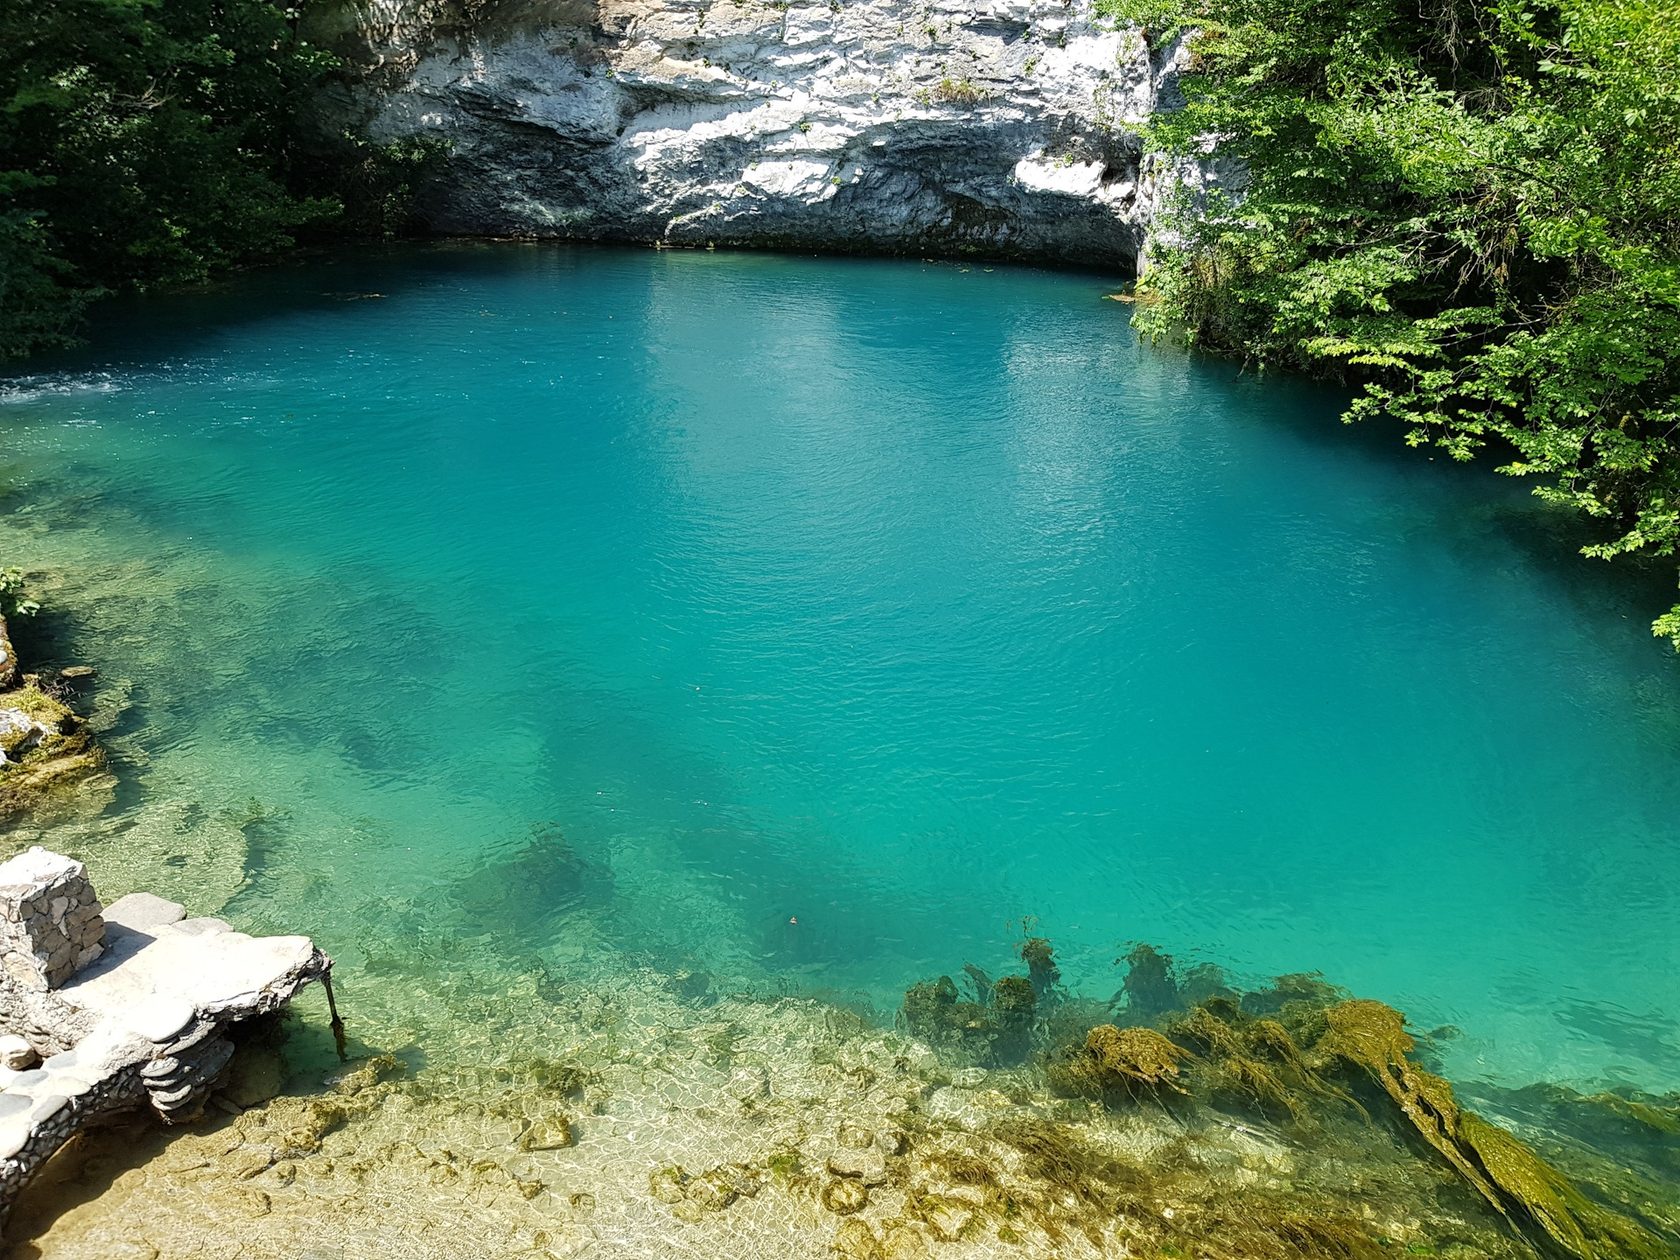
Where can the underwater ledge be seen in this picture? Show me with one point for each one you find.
(646, 1113)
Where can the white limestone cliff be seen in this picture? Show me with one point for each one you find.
(997, 127)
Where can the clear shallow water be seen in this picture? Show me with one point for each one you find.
(907, 601)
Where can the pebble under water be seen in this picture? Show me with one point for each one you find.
(780, 626)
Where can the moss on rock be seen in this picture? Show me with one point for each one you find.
(1532, 1195)
(1123, 1062)
(997, 1031)
(52, 765)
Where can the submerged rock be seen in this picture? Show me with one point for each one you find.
(1150, 989)
(526, 887)
(844, 1195)
(547, 1133)
(1042, 971)
(1132, 1062)
(996, 1030)
(854, 1240)
(257, 1074)
(868, 1165)
(1515, 1181)
(666, 1184)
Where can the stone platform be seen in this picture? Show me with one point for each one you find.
(125, 1006)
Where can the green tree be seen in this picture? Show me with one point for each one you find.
(143, 143)
(1472, 215)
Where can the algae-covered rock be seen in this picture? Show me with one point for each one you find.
(561, 1079)
(1298, 1000)
(1254, 1061)
(667, 1184)
(1150, 989)
(947, 1217)
(934, 1011)
(1373, 1037)
(927, 1004)
(1042, 971)
(1014, 996)
(1014, 1006)
(845, 1195)
(854, 1240)
(905, 1242)
(1535, 1191)
(1528, 1192)
(551, 1132)
(996, 1032)
(49, 762)
(868, 1164)
(1131, 1062)
(714, 1190)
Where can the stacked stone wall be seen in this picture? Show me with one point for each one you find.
(51, 922)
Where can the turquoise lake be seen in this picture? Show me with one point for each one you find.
(844, 617)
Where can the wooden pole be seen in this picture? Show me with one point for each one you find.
(337, 1024)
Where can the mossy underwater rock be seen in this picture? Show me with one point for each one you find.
(843, 1196)
(1529, 1193)
(1042, 972)
(934, 1011)
(1123, 1062)
(1254, 1062)
(997, 1031)
(1150, 989)
(51, 760)
(1014, 1008)
(1291, 1052)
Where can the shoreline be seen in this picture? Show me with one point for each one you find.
(631, 1119)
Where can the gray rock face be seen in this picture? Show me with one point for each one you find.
(995, 127)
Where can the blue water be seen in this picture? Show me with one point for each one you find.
(916, 603)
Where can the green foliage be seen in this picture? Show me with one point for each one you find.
(1472, 215)
(957, 91)
(13, 602)
(148, 143)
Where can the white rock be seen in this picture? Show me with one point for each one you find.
(990, 126)
(16, 1054)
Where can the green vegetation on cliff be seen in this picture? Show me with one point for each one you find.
(145, 143)
(1469, 210)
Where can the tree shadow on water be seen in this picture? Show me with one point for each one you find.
(136, 331)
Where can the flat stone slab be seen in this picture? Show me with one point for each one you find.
(144, 911)
(145, 1020)
(160, 969)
